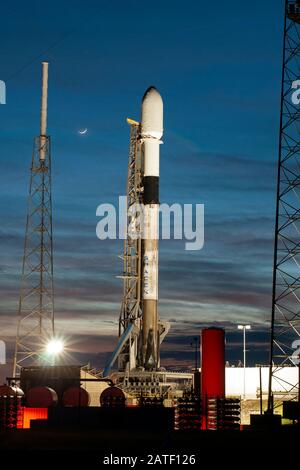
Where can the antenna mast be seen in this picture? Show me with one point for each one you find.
(36, 303)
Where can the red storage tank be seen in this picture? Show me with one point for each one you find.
(41, 397)
(112, 396)
(9, 391)
(76, 396)
(213, 362)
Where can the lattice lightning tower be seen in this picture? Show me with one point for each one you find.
(36, 306)
(286, 273)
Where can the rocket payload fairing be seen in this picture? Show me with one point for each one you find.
(151, 133)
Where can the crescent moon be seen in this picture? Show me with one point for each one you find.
(84, 131)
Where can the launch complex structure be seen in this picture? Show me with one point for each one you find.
(141, 331)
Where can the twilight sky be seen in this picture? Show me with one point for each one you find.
(217, 65)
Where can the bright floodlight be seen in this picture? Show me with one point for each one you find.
(242, 327)
(55, 347)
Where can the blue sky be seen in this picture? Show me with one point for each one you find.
(217, 65)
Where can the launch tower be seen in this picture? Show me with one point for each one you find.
(36, 310)
(140, 329)
(286, 272)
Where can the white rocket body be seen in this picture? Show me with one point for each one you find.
(151, 133)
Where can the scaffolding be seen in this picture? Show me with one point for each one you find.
(131, 311)
(36, 303)
(285, 329)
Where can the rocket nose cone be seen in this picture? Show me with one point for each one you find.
(152, 113)
(151, 93)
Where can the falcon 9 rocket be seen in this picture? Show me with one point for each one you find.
(151, 133)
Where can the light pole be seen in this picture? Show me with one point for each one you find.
(196, 343)
(244, 328)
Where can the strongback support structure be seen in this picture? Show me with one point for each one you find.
(285, 328)
(131, 310)
(36, 304)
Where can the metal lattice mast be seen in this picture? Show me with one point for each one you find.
(36, 306)
(286, 272)
(131, 302)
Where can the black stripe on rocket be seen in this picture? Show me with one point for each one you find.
(151, 189)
